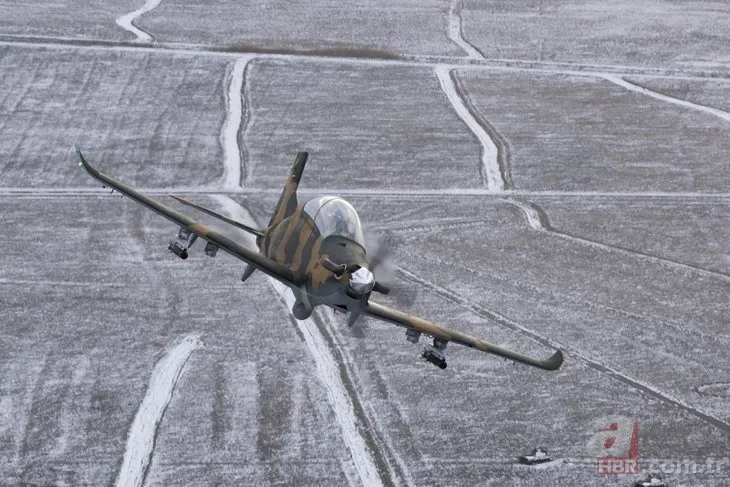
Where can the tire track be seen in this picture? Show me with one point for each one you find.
(144, 430)
(30, 81)
(371, 466)
(536, 216)
(234, 165)
(126, 21)
(592, 363)
(504, 152)
(405, 214)
(456, 32)
(32, 369)
(618, 80)
(331, 332)
(677, 326)
(538, 220)
(490, 171)
(76, 398)
(446, 224)
(45, 282)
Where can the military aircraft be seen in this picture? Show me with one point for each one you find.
(317, 249)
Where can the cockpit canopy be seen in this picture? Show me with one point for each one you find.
(335, 216)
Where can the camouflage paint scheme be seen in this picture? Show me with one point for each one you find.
(317, 268)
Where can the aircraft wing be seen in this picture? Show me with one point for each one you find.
(427, 328)
(250, 256)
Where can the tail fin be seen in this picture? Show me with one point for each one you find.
(288, 200)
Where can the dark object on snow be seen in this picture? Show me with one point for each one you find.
(538, 455)
(650, 482)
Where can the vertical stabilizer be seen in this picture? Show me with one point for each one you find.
(288, 201)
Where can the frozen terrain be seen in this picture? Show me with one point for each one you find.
(646, 33)
(545, 175)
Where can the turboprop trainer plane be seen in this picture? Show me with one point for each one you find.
(317, 249)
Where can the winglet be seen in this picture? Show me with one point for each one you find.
(89, 168)
(554, 362)
(82, 161)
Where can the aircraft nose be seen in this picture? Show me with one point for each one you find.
(362, 281)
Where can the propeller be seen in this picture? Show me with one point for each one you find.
(379, 278)
(384, 268)
(381, 263)
(362, 283)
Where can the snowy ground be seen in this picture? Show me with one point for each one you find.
(647, 33)
(535, 206)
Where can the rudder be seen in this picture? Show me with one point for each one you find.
(287, 204)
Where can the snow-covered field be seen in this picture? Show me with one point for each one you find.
(645, 33)
(582, 207)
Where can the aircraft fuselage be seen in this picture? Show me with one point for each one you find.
(324, 263)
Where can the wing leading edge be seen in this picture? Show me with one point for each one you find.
(426, 327)
(232, 247)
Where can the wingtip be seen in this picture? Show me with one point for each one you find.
(80, 156)
(555, 361)
(85, 164)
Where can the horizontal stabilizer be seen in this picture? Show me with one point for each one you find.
(255, 231)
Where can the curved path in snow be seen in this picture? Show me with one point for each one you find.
(235, 109)
(456, 33)
(538, 220)
(126, 21)
(328, 369)
(491, 172)
(141, 438)
(669, 99)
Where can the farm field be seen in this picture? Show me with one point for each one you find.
(581, 133)
(651, 33)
